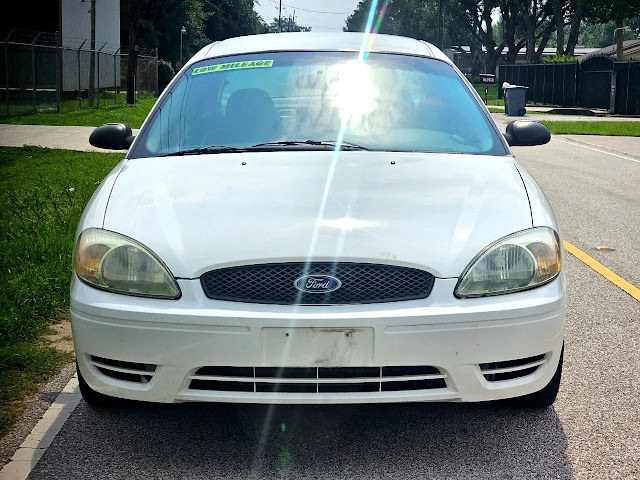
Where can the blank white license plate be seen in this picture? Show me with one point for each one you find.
(303, 347)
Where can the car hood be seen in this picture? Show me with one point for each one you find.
(427, 210)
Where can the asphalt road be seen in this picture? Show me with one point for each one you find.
(593, 430)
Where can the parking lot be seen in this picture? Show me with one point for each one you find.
(591, 432)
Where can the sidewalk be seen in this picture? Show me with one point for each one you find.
(71, 138)
(502, 118)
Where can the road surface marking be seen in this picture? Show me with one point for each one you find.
(579, 144)
(37, 442)
(617, 280)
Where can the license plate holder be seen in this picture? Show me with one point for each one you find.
(316, 346)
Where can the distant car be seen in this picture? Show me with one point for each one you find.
(319, 218)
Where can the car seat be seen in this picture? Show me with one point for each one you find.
(251, 117)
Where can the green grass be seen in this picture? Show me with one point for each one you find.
(90, 117)
(42, 195)
(492, 94)
(594, 128)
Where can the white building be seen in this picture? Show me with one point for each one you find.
(76, 41)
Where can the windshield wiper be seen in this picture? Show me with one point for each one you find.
(323, 143)
(215, 148)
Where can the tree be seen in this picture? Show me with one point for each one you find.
(600, 35)
(160, 22)
(535, 15)
(613, 11)
(288, 25)
(232, 19)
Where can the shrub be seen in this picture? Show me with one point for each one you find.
(560, 59)
(165, 74)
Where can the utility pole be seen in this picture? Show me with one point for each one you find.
(183, 30)
(280, 17)
(133, 50)
(439, 33)
(92, 54)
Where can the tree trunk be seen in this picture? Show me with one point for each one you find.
(558, 16)
(619, 37)
(574, 31)
(544, 39)
(132, 57)
(509, 19)
(92, 55)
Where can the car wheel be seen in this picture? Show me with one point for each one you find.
(96, 399)
(542, 398)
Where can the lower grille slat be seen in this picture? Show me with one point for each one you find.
(511, 369)
(318, 379)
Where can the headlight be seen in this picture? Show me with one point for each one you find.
(116, 263)
(517, 262)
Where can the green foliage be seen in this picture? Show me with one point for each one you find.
(42, 195)
(409, 18)
(594, 128)
(560, 59)
(232, 19)
(287, 24)
(602, 11)
(160, 24)
(600, 35)
(90, 117)
(165, 74)
(23, 368)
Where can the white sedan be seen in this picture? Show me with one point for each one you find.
(319, 218)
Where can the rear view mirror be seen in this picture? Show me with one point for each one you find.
(527, 133)
(112, 136)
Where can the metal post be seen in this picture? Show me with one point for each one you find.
(33, 71)
(98, 65)
(79, 89)
(58, 72)
(116, 90)
(182, 32)
(6, 67)
(6, 73)
(564, 85)
(553, 84)
(626, 105)
(157, 86)
(612, 97)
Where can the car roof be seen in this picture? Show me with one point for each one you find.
(312, 41)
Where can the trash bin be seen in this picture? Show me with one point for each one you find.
(515, 100)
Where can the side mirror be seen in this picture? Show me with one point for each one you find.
(527, 133)
(112, 136)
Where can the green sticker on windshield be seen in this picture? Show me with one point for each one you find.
(233, 66)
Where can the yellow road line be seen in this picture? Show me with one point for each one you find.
(617, 280)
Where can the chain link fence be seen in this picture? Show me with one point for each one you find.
(37, 74)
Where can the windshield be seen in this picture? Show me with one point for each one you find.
(388, 102)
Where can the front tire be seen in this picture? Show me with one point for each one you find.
(542, 398)
(93, 398)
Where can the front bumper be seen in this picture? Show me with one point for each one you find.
(173, 340)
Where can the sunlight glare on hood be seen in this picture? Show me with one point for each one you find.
(346, 223)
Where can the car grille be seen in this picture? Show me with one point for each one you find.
(510, 369)
(125, 371)
(274, 283)
(317, 379)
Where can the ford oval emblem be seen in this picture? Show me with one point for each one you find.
(317, 283)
